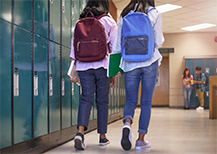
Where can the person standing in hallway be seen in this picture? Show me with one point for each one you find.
(187, 79)
(200, 86)
(136, 72)
(93, 77)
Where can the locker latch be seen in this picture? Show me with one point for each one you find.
(50, 85)
(16, 82)
(35, 84)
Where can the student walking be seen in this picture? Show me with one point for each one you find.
(187, 79)
(91, 65)
(144, 71)
(200, 87)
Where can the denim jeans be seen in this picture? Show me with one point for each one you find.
(187, 96)
(94, 80)
(147, 76)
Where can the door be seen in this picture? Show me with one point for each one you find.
(161, 93)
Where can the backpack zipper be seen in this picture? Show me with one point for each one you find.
(134, 38)
(85, 42)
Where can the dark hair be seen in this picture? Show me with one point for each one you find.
(198, 68)
(97, 7)
(140, 8)
(184, 73)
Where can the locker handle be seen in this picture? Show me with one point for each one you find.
(63, 87)
(50, 85)
(35, 84)
(16, 82)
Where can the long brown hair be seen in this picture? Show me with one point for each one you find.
(184, 73)
(141, 6)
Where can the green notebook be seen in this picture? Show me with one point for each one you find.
(113, 66)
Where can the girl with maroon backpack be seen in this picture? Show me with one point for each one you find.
(90, 49)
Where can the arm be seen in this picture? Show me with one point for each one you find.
(159, 38)
(117, 41)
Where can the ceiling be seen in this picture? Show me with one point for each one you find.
(193, 12)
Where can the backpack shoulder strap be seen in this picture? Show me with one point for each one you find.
(152, 8)
(103, 15)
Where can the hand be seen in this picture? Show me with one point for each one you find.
(112, 81)
(119, 74)
(74, 80)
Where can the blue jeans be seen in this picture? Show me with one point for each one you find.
(147, 76)
(94, 80)
(187, 96)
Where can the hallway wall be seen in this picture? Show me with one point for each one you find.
(185, 44)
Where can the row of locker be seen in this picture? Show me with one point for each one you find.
(37, 97)
(209, 67)
(41, 16)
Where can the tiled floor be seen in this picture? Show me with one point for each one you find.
(171, 131)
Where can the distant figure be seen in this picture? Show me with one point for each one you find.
(200, 86)
(187, 81)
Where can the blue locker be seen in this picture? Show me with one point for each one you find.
(66, 89)
(22, 85)
(66, 23)
(41, 17)
(22, 13)
(40, 86)
(75, 88)
(82, 5)
(5, 10)
(5, 82)
(54, 86)
(55, 20)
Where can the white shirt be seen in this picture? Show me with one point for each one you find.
(156, 21)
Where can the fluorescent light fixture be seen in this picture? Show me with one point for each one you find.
(167, 7)
(198, 27)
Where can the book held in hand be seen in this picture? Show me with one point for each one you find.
(72, 73)
(113, 66)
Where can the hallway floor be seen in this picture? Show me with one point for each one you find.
(171, 131)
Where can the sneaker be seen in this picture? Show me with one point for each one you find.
(103, 141)
(79, 141)
(126, 142)
(200, 108)
(142, 145)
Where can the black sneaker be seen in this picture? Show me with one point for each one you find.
(79, 141)
(103, 141)
(126, 138)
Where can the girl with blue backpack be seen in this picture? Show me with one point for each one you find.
(138, 38)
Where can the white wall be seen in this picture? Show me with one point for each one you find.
(185, 44)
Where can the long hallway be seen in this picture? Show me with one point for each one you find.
(171, 131)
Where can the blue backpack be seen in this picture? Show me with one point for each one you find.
(137, 37)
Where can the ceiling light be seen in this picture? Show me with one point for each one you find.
(197, 27)
(167, 7)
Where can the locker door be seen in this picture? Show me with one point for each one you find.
(22, 13)
(210, 71)
(22, 85)
(41, 17)
(40, 86)
(55, 20)
(5, 82)
(190, 64)
(75, 12)
(82, 5)
(54, 87)
(66, 23)
(5, 10)
(75, 88)
(66, 89)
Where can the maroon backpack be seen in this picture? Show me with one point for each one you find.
(90, 39)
